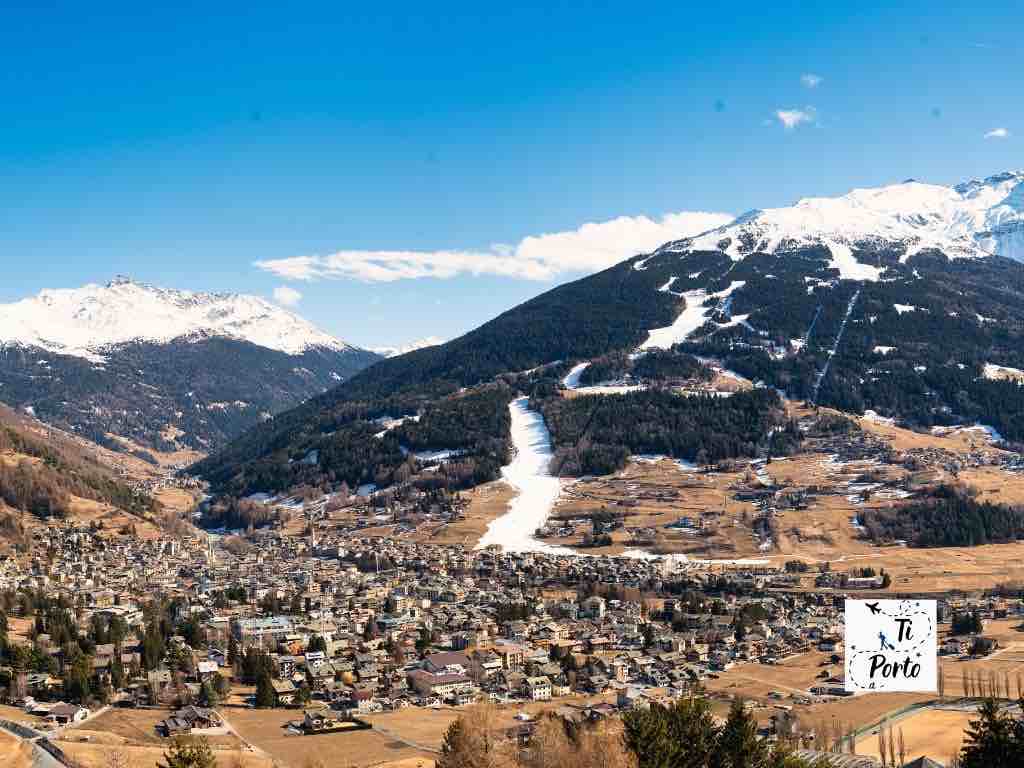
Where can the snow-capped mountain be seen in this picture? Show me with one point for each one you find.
(894, 300)
(85, 321)
(164, 368)
(401, 349)
(975, 218)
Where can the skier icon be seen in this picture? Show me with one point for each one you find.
(884, 643)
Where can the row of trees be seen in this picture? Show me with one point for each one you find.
(685, 734)
(949, 517)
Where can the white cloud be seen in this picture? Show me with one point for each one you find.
(287, 296)
(998, 133)
(791, 118)
(811, 80)
(591, 247)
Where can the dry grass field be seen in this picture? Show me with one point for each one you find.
(486, 503)
(131, 732)
(92, 755)
(13, 752)
(136, 727)
(931, 733)
(793, 675)
(265, 730)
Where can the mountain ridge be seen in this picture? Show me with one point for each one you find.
(804, 311)
(166, 368)
(86, 321)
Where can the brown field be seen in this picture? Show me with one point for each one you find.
(426, 727)
(91, 755)
(931, 733)
(793, 675)
(696, 493)
(264, 729)
(135, 727)
(486, 503)
(177, 500)
(13, 752)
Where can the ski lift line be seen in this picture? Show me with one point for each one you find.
(835, 346)
(810, 328)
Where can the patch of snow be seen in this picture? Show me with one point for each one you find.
(654, 458)
(572, 379)
(439, 455)
(693, 316)
(880, 350)
(610, 389)
(401, 349)
(902, 308)
(530, 475)
(873, 416)
(993, 371)
(848, 266)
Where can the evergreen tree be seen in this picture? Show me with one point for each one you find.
(117, 672)
(265, 698)
(738, 744)
(994, 740)
(232, 651)
(187, 752)
(76, 682)
(208, 696)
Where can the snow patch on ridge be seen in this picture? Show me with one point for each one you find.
(972, 219)
(693, 316)
(83, 322)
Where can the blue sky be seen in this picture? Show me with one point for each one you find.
(183, 147)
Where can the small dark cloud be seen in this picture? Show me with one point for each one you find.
(936, 112)
(719, 105)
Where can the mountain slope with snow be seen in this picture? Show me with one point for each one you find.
(885, 300)
(976, 218)
(164, 368)
(84, 321)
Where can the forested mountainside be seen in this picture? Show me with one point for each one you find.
(187, 393)
(40, 476)
(888, 299)
(920, 344)
(595, 434)
(609, 310)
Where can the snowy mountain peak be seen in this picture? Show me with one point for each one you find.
(975, 218)
(85, 321)
(429, 341)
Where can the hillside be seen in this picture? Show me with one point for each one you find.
(853, 303)
(49, 476)
(166, 369)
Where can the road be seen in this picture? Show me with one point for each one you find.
(40, 757)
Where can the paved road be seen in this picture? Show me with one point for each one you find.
(40, 757)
